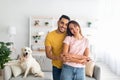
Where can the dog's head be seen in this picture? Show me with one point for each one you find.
(26, 52)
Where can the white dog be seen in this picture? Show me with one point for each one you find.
(29, 64)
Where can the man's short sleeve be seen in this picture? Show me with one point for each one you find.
(47, 40)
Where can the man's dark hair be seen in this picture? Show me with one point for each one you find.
(64, 16)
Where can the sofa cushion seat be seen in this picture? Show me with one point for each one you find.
(90, 78)
(48, 76)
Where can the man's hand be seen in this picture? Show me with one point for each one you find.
(66, 57)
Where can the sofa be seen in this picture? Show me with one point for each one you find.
(46, 67)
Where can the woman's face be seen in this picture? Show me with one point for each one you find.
(74, 29)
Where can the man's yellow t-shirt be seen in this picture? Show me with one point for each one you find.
(55, 40)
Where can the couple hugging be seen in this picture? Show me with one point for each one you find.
(68, 49)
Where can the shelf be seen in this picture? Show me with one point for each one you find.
(38, 29)
(41, 53)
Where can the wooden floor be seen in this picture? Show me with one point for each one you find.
(1, 78)
(106, 73)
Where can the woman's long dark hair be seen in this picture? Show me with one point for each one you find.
(75, 24)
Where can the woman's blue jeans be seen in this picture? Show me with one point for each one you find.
(72, 73)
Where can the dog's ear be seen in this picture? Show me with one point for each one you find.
(22, 49)
(30, 50)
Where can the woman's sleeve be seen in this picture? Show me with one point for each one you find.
(87, 43)
(67, 40)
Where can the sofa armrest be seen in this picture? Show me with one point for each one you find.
(97, 72)
(7, 73)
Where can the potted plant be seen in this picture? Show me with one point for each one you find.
(89, 23)
(4, 53)
(46, 23)
(36, 38)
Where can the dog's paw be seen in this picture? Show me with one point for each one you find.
(39, 74)
(24, 76)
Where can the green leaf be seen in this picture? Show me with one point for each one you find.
(4, 53)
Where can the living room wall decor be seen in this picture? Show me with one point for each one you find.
(38, 29)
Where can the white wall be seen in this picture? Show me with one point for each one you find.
(16, 13)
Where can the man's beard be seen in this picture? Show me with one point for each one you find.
(62, 31)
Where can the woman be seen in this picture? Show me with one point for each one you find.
(75, 53)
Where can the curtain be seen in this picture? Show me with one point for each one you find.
(107, 46)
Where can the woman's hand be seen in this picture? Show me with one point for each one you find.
(66, 57)
(75, 58)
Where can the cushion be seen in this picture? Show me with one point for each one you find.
(7, 72)
(89, 68)
(48, 76)
(44, 62)
(16, 70)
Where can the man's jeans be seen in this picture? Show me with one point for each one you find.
(72, 73)
(56, 73)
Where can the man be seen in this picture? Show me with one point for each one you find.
(54, 44)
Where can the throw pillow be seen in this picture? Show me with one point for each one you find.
(16, 70)
(89, 68)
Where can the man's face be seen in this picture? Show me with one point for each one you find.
(62, 25)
